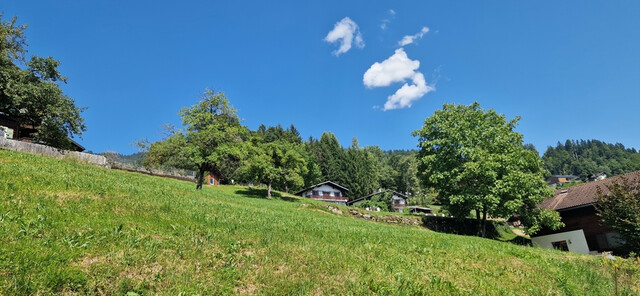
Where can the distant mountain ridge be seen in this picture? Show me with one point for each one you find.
(134, 159)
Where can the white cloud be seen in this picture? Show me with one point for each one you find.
(406, 40)
(346, 32)
(383, 26)
(407, 94)
(398, 68)
(386, 21)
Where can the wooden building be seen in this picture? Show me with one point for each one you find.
(11, 129)
(583, 231)
(561, 179)
(399, 200)
(326, 191)
(211, 179)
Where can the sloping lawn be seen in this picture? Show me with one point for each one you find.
(72, 228)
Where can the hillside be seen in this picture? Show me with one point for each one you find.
(71, 228)
(582, 158)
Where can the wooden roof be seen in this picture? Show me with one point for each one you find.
(584, 194)
(320, 184)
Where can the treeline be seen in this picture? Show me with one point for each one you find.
(585, 157)
(361, 169)
(213, 140)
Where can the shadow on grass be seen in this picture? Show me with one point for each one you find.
(521, 240)
(262, 193)
(495, 230)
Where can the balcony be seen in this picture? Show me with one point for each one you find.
(329, 198)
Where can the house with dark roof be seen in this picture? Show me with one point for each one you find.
(399, 200)
(583, 231)
(326, 191)
(561, 179)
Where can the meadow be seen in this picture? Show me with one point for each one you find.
(75, 229)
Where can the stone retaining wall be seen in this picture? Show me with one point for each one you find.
(44, 150)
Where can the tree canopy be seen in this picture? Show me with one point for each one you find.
(275, 157)
(477, 162)
(30, 94)
(211, 140)
(620, 209)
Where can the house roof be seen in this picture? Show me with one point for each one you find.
(564, 176)
(79, 147)
(320, 184)
(582, 195)
(372, 194)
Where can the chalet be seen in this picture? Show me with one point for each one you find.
(11, 129)
(596, 177)
(561, 179)
(583, 231)
(326, 191)
(399, 200)
(212, 179)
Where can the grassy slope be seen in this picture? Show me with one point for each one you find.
(74, 228)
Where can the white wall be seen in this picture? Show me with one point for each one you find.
(402, 201)
(576, 241)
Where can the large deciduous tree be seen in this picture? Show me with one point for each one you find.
(477, 162)
(276, 157)
(211, 140)
(30, 94)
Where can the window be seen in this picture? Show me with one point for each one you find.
(337, 193)
(211, 181)
(314, 192)
(560, 245)
(326, 193)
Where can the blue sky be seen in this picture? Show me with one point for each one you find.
(570, 69)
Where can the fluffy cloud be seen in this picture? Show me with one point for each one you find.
(345, 32)
(398, 68)
(406, 40)
(408, 93)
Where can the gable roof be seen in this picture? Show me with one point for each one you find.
(375, 193)
(584, 194)
(320, 184)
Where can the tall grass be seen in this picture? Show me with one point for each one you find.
(69, 228)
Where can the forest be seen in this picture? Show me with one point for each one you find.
(585, 157)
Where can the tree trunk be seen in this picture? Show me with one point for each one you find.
(484, 222)
(479, 221)
(269, 190)
(200, 178)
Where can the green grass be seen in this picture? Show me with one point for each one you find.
(69, 228)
